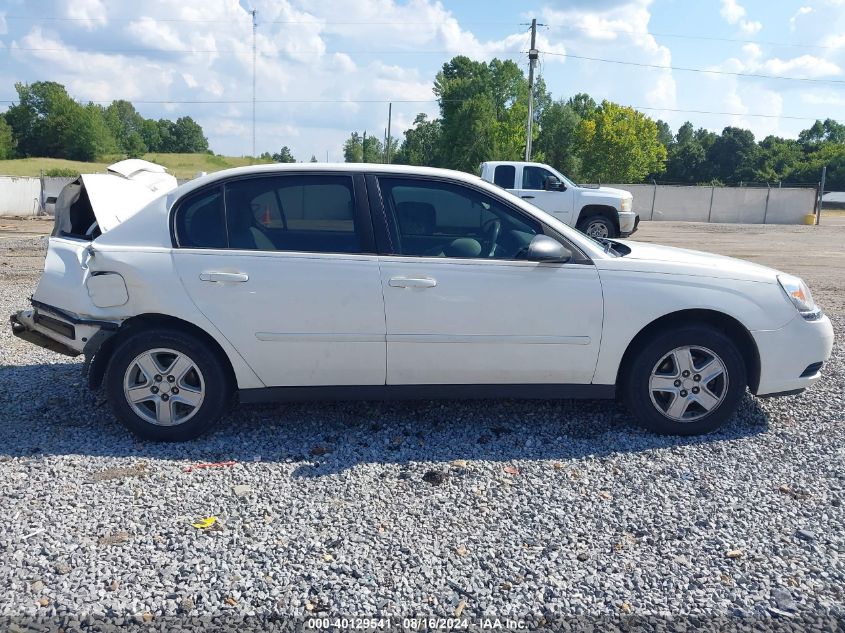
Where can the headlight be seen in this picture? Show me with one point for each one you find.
(627, 203)
(799, 294)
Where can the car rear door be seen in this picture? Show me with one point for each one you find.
(457, 314)
(284, 265)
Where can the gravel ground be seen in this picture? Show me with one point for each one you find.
(547, 510)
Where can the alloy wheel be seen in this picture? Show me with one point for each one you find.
(164, 387)
(688, 383)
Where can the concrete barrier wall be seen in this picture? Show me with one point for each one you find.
(790, 204)
(23, 196)
(750, 205)
(20, 196)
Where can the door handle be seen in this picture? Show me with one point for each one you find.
(211, 275)
(412, 282)
(527, 197)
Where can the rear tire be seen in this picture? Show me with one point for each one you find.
(686, 381)
(598, 226)
(167, 385)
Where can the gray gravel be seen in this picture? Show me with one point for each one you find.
(401, 509)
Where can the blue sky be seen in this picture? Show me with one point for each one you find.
(330, 66)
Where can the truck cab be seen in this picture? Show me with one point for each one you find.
(596, 211)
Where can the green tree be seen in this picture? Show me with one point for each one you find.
(7, 142)
(664, 133)
(734, 155)
(313, 159)
(188, 136)
(283, 156)
(483, 109)
(777, 158)
(584, 105)
(363, 149)
(151, 135)
(557, 140)
(422, 143)
(46, 121)
(620, 144)
(819, 132)
(687, 158)
(125, 125)
(134, 145)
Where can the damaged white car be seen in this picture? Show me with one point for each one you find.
(376, 281)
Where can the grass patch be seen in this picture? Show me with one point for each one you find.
(180, 165)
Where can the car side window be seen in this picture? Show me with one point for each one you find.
(200, 222)
(307, 213)
(505, 176)
(440, 219)
(534, 177)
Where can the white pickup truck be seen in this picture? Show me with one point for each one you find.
(596, 211)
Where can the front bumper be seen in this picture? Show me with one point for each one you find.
(628, 223)
(790, 357)
(57, 330)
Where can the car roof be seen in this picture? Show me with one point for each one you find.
(281, 168)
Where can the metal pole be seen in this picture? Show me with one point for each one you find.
(389, 118)
(766, 210)
(653, 198)
(254, 29)
(821, 195)
(533, 54)
(710, 211)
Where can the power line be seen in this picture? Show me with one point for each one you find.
(696, 70)
(223, 50)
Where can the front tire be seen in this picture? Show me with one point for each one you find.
(598, 226)
(166, 385)
(687, 381)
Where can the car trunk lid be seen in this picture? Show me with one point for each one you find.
(95, 203)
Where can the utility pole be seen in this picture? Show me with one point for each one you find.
(254, 55)
(821, 194)
(364, 148)
(389, 117)
(533, 54)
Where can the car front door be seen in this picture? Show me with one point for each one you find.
(557, 202)
(284, 266)
(464, 306)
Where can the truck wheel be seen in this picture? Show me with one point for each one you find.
(165, 385)
(597, 226)
(686, 381)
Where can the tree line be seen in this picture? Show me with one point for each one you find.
(47, 122)
(483, 113)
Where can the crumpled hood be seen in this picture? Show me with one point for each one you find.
(110, 198)
(680, 261)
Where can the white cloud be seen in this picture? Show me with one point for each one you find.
(803, 66)
(794, 19)
(89, 13)
(734, 13)
(620, 30)
(750, 28)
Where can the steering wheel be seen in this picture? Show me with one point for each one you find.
(491, 229)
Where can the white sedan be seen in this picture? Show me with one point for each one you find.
(376, 281)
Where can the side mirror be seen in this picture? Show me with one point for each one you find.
(552, 183)
(544, 249)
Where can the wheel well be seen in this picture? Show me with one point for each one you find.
(598, 209)
(729, 326)
(100, 360)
